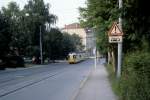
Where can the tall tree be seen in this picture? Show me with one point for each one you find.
(38, 19)
(5, 35)
(19, 36)
(136, 24)
(53, 44)
(38, 16)
(68, 44)
(77, 42)
(99, 15)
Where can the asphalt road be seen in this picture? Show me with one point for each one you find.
(58, 81)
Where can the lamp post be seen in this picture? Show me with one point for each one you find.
(94, 49)
(41, 51)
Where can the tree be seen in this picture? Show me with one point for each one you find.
(136, 25)
(53, 44)
(38, 17)
(17, 28)
(68, 44)
(5, 35)
(99, 15)
(58, 45)
(77, 42)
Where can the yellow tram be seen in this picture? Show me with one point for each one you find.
(74, 58)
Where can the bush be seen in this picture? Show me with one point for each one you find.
(135, 80)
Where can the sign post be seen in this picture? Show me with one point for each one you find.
(120, 44)
(115, 36)
(94, 52)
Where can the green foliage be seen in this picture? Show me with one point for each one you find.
(25, 25)
(19, 39)
(135, 80)
(38, 16)
(113, 80)
(12, 10)
(99, 14)
(57, 45)
(68, 44)
(77, 42)
(39, 11)
(102, 42)
(53, 44)
(5, 35)
(136, 24)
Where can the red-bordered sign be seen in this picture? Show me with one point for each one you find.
(115, 30)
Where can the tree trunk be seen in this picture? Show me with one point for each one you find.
(114, 60)
(109, 58)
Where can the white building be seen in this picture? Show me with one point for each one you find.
(86, 35)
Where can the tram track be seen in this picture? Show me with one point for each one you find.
(29, 84)
(26, 81)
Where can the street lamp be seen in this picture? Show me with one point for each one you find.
(41, 51)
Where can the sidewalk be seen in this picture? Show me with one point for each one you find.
(97, 86)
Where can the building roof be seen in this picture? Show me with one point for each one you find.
(72, 26)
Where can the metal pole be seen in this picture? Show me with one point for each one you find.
(95, 57)
(119, 59)
(119, 46)
(41, 52)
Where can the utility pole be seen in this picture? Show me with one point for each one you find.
(95, 52)
(119, 45)
(41, 52)
(95, 62)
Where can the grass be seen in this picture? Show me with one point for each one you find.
(113, 80)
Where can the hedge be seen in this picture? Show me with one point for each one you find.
(135, 79)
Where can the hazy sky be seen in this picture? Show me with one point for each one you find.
(66, 10)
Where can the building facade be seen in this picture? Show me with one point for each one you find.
(86, 34)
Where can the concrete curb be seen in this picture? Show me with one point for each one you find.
(84, 80)
(82, 83)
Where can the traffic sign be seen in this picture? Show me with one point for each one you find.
(115, 39)
(115, 30)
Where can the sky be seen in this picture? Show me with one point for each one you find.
(66, 10)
